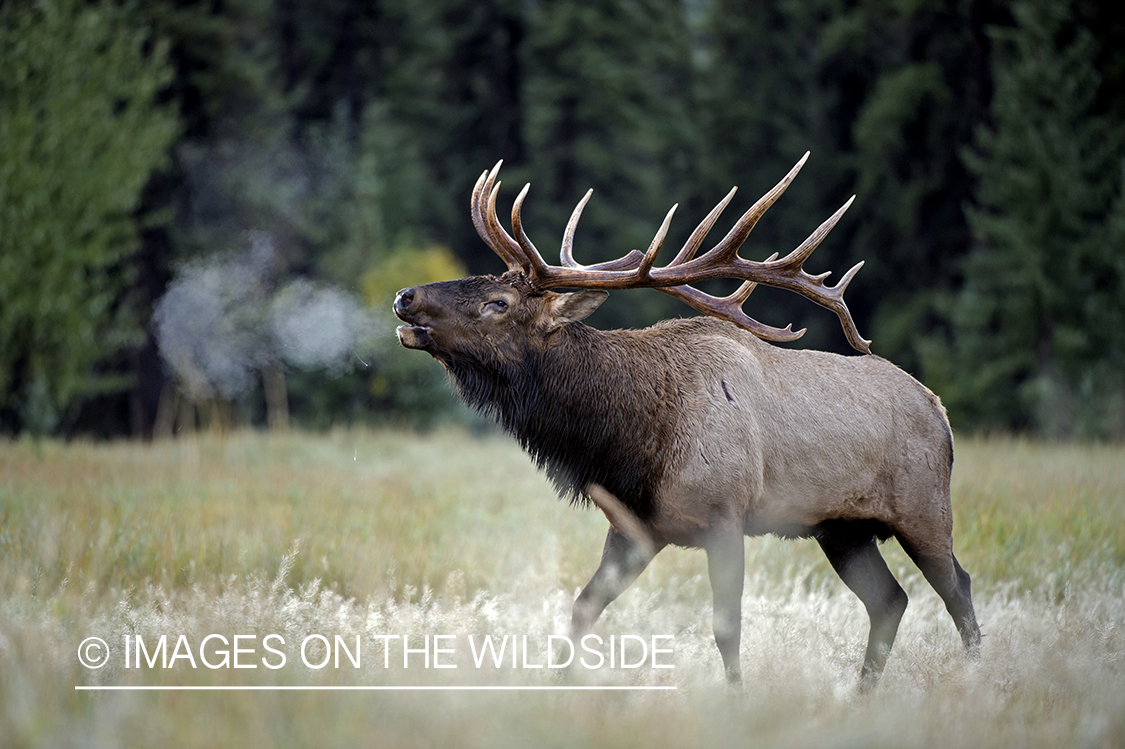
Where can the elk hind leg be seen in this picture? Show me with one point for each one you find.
(622, 562)
(853, 552)
(942, 570)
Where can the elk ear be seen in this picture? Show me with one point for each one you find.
(568, 308)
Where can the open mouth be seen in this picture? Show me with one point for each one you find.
(414, 336)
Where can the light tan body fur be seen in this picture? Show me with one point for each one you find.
(785, 439)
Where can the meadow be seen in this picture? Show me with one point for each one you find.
(363, 533)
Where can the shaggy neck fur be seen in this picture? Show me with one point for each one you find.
(584, 410)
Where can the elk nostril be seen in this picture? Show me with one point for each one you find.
(404, 298)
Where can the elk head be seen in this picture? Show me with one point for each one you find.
(502, 315)
(517, 309)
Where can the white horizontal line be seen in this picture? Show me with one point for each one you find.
(174, 688)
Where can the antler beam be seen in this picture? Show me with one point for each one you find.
(635, 270)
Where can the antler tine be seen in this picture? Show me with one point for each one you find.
(517, 226)
(657, 243)
(695, 241)
(798, 256)
(507, 250)
(530, 263)
(727, 249)
(743, 292)
(566, 253)
(480, 216)
(812, 287)
(730, 308)
(841, 309)
(474, 209)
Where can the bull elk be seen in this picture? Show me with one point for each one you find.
(699, 431)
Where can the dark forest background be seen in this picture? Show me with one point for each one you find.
(183, 185)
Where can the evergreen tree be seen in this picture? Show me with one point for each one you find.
(761, 109)
(352, 132)
(882, 94)
(904, 86)
(472, 112)
(80, 134)
(608, 97)
(1040, 322)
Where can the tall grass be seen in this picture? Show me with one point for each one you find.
(370, 533)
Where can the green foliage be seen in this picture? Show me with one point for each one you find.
(408, 267)
(347, 131)
(760, 110)
(377, 201)
(407, 385)
(1040, 323)
(907, 82)
(80, 134)
(882, 94)
(608, 106)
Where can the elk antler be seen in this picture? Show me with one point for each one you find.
(635, 270)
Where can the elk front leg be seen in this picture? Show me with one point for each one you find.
(726, 566)
(622, 561)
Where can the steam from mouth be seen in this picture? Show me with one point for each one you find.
(226, 319)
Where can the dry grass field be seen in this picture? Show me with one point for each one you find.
(362, 534)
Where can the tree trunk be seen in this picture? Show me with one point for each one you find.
(165, 412)
(277, 399)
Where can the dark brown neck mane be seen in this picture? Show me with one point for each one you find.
(584, 409)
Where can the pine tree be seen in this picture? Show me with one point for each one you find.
(1040, 322)
(80, 134)
(905, 84)
(608, 99)
(761, 109)
(882, 94)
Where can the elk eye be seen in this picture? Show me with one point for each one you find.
(499, 304)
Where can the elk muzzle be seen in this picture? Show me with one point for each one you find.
(405, 308)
